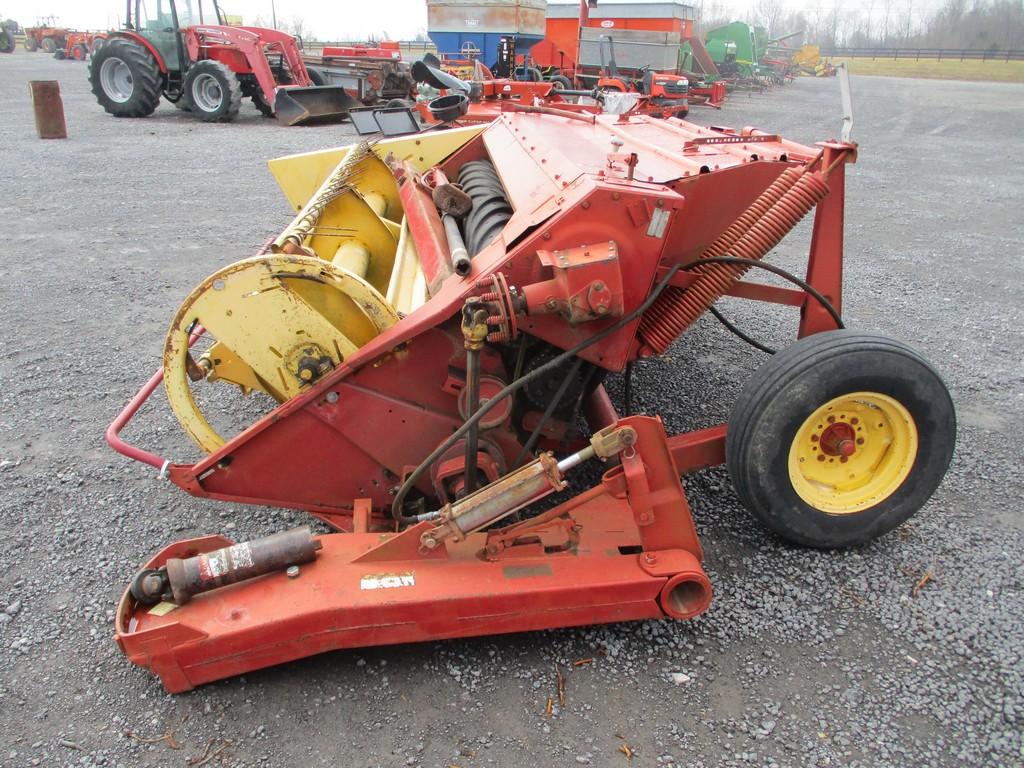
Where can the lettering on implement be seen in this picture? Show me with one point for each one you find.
(387, 580)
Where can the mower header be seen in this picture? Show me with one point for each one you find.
(436, 324)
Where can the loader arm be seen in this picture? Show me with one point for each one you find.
(202, 42)
(290, 49)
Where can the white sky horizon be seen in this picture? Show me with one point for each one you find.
(356, 19)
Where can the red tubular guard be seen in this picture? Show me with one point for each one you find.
(113, 433)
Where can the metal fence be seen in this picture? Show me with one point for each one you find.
(938, 54)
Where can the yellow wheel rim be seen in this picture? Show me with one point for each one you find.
(853, 452)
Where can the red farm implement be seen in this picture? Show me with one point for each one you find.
(80, 45)
(434, 330)
(46, 35)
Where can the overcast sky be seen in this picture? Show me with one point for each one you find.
(331, 20)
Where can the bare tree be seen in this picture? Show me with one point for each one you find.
(769, 14)
(908, 20)
(886, 16)
(975, 24)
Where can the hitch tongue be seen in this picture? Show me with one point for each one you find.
(515, 490)
(179, 579)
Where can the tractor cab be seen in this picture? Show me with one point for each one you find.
(160, 22)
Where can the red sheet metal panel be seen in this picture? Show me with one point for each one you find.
(530, 148)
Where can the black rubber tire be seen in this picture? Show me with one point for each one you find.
(49, 45)
(80, 52)
(31, 44)
(316, 76)
(97, 44)
(267, 110)
(59, 54)
(784, 391)
(146, 78)
(561, 82)
(6, 41)
(230, 90)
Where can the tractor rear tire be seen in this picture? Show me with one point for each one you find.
(213, 92)
(49, 45)
(125, 79)
(840, 438)
(97, 43)
(31, 44)
(316, 76)
(6, 41)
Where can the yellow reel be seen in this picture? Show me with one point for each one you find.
(280, 322)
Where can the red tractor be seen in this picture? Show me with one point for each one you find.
(80, 45)
(45, 36)
(207, 68)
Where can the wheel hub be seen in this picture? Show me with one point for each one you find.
(206, 93)
(853, 452)
(838, 439)
(116, 79)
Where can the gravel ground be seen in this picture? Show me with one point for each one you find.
(806, 657)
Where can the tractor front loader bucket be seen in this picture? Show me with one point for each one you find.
(314, 104)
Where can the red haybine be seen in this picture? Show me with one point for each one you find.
(435, 326)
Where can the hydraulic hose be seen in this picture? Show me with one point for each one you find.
(514, 386)
(518, 383)
(746, 264)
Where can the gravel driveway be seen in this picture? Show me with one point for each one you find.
(806, 658)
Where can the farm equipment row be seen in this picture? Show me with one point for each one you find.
(432, 334)
(78, 46)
